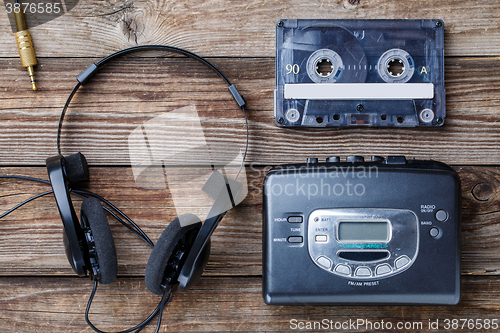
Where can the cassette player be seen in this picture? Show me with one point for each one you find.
(359, 72)
(385, 231)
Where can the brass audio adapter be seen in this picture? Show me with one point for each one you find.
(25, 46)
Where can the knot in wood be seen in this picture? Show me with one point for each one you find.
(482, 191)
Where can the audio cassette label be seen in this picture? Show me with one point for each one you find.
(359, 72)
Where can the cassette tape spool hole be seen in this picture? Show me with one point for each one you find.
(396, 66)
(324, 66)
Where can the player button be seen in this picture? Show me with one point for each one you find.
(434, 232)
(377, 159)
(312, 160)
(333, 159)
(343, 269)
(383, 269)
(401, 262)
(355, 158)
(321, 238)
(441, 215)
(295, 219)
(324, 262)
(395, 160)
(363, 271)
(295, 239)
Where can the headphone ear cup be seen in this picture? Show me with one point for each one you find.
(76, 168)
(163, 251)
(94, 214)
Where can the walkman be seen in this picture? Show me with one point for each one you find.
(385, 231)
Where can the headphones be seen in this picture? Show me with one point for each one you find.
(181, 253)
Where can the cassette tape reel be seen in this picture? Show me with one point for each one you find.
(359, 72)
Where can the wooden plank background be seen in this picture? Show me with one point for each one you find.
(38, 290)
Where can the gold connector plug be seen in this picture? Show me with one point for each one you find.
(25, 46)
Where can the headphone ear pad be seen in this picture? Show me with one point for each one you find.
(95, 215)
(163, 250)
(76, 168)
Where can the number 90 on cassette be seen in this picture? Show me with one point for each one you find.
(359, 73)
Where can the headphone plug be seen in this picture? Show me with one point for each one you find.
(25, 46)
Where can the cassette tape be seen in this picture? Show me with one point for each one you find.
(359, 72)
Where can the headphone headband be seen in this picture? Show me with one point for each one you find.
(90, 71)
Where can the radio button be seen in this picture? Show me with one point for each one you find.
(434, 232)
(383, 269)
(441, 215)
(312, 160)
(295, 219)
(363, 271)
(321, 238)
(295, 239)
(343, 269)
(324, 262)
(401, 262)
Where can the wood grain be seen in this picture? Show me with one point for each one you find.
(240, 28)
(133, 91)
(38, 290)
(236, 244)
(214, 305)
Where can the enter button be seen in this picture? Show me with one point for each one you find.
(321, 238)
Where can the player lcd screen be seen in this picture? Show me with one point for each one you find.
(363, 231)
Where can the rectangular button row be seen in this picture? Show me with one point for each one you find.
(298, 239)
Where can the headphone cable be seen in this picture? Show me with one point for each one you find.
(138, 231)
(82, 194)
(167, 295)
(24, 203)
